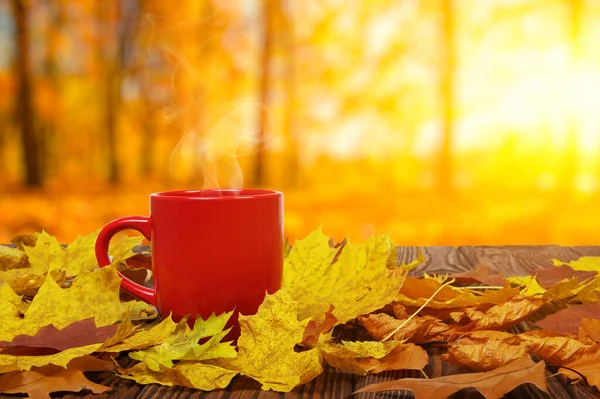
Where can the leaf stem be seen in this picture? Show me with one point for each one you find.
(418, 310)
(570, 369)
(484, 287)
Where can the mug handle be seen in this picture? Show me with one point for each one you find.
(138, 223)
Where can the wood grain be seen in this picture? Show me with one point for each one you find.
(439, 260)
(517, 260)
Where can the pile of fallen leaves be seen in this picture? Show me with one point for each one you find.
(62, 316)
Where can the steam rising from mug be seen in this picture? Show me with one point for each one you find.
(215, 151)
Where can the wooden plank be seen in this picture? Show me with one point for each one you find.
(438, 259)
(517, 260)
(586, 250)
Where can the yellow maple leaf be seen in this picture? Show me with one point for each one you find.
(48, 256)
(189, 374)
(345, 356)
(79, 256)
(529, 285)
(145, 338)
(357, 282)
(95, 294)
(266, 346)
(13, 363)
(584, 263)
(183, 344)
(11, 305)
(12, 258)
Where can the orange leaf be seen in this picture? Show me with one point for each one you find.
(40, 382)
(492, 384)
(417, 330)
(506, 315)
(403, 357)
(315, 328)
(80, 333)
(569, 319)
(588, 364)
(484, 350)
(590, 328)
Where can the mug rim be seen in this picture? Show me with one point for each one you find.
(195, 194)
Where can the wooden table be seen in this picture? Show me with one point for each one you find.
(516, 260)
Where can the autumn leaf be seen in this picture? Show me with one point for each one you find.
(188, 374)
(9, 362)
(584, 263)
(40, 382)
(144, 338)
(506, 314)
(183, 343)
(47, 256)
(316, 329)
(588, 364)
(568, 320)
(344, 355)
(419, 291)
(80, 333)
(479, 274)
(529, 285)
(22, 240)
(63, 306)
(492, 384)
(79, 256)
(373, 356)
(486, 350)
(550, 276)
(417, 330)
(12, 258)
(266, 346)
(590, 328)
(357, 282)
(403, 357)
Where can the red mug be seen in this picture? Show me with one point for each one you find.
(212, 251)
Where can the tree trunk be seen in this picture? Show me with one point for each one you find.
(24, 106)
(265, 88)
(48, 132)
(445, 171)
(569, 169)
(123, 22)
(292, 176)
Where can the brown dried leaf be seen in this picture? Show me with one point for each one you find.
(590, 328)
(22, 240)
(315, 328)
(485, 350)
(492, 384)
(588, 364)
(548, 277)
(480, 274)
(417, 330)
(40, 382)
(403, 357)
(568, 320)
(418, 291)
(79, 333)
(505, 315)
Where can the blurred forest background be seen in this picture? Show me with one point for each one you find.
(438, 121)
